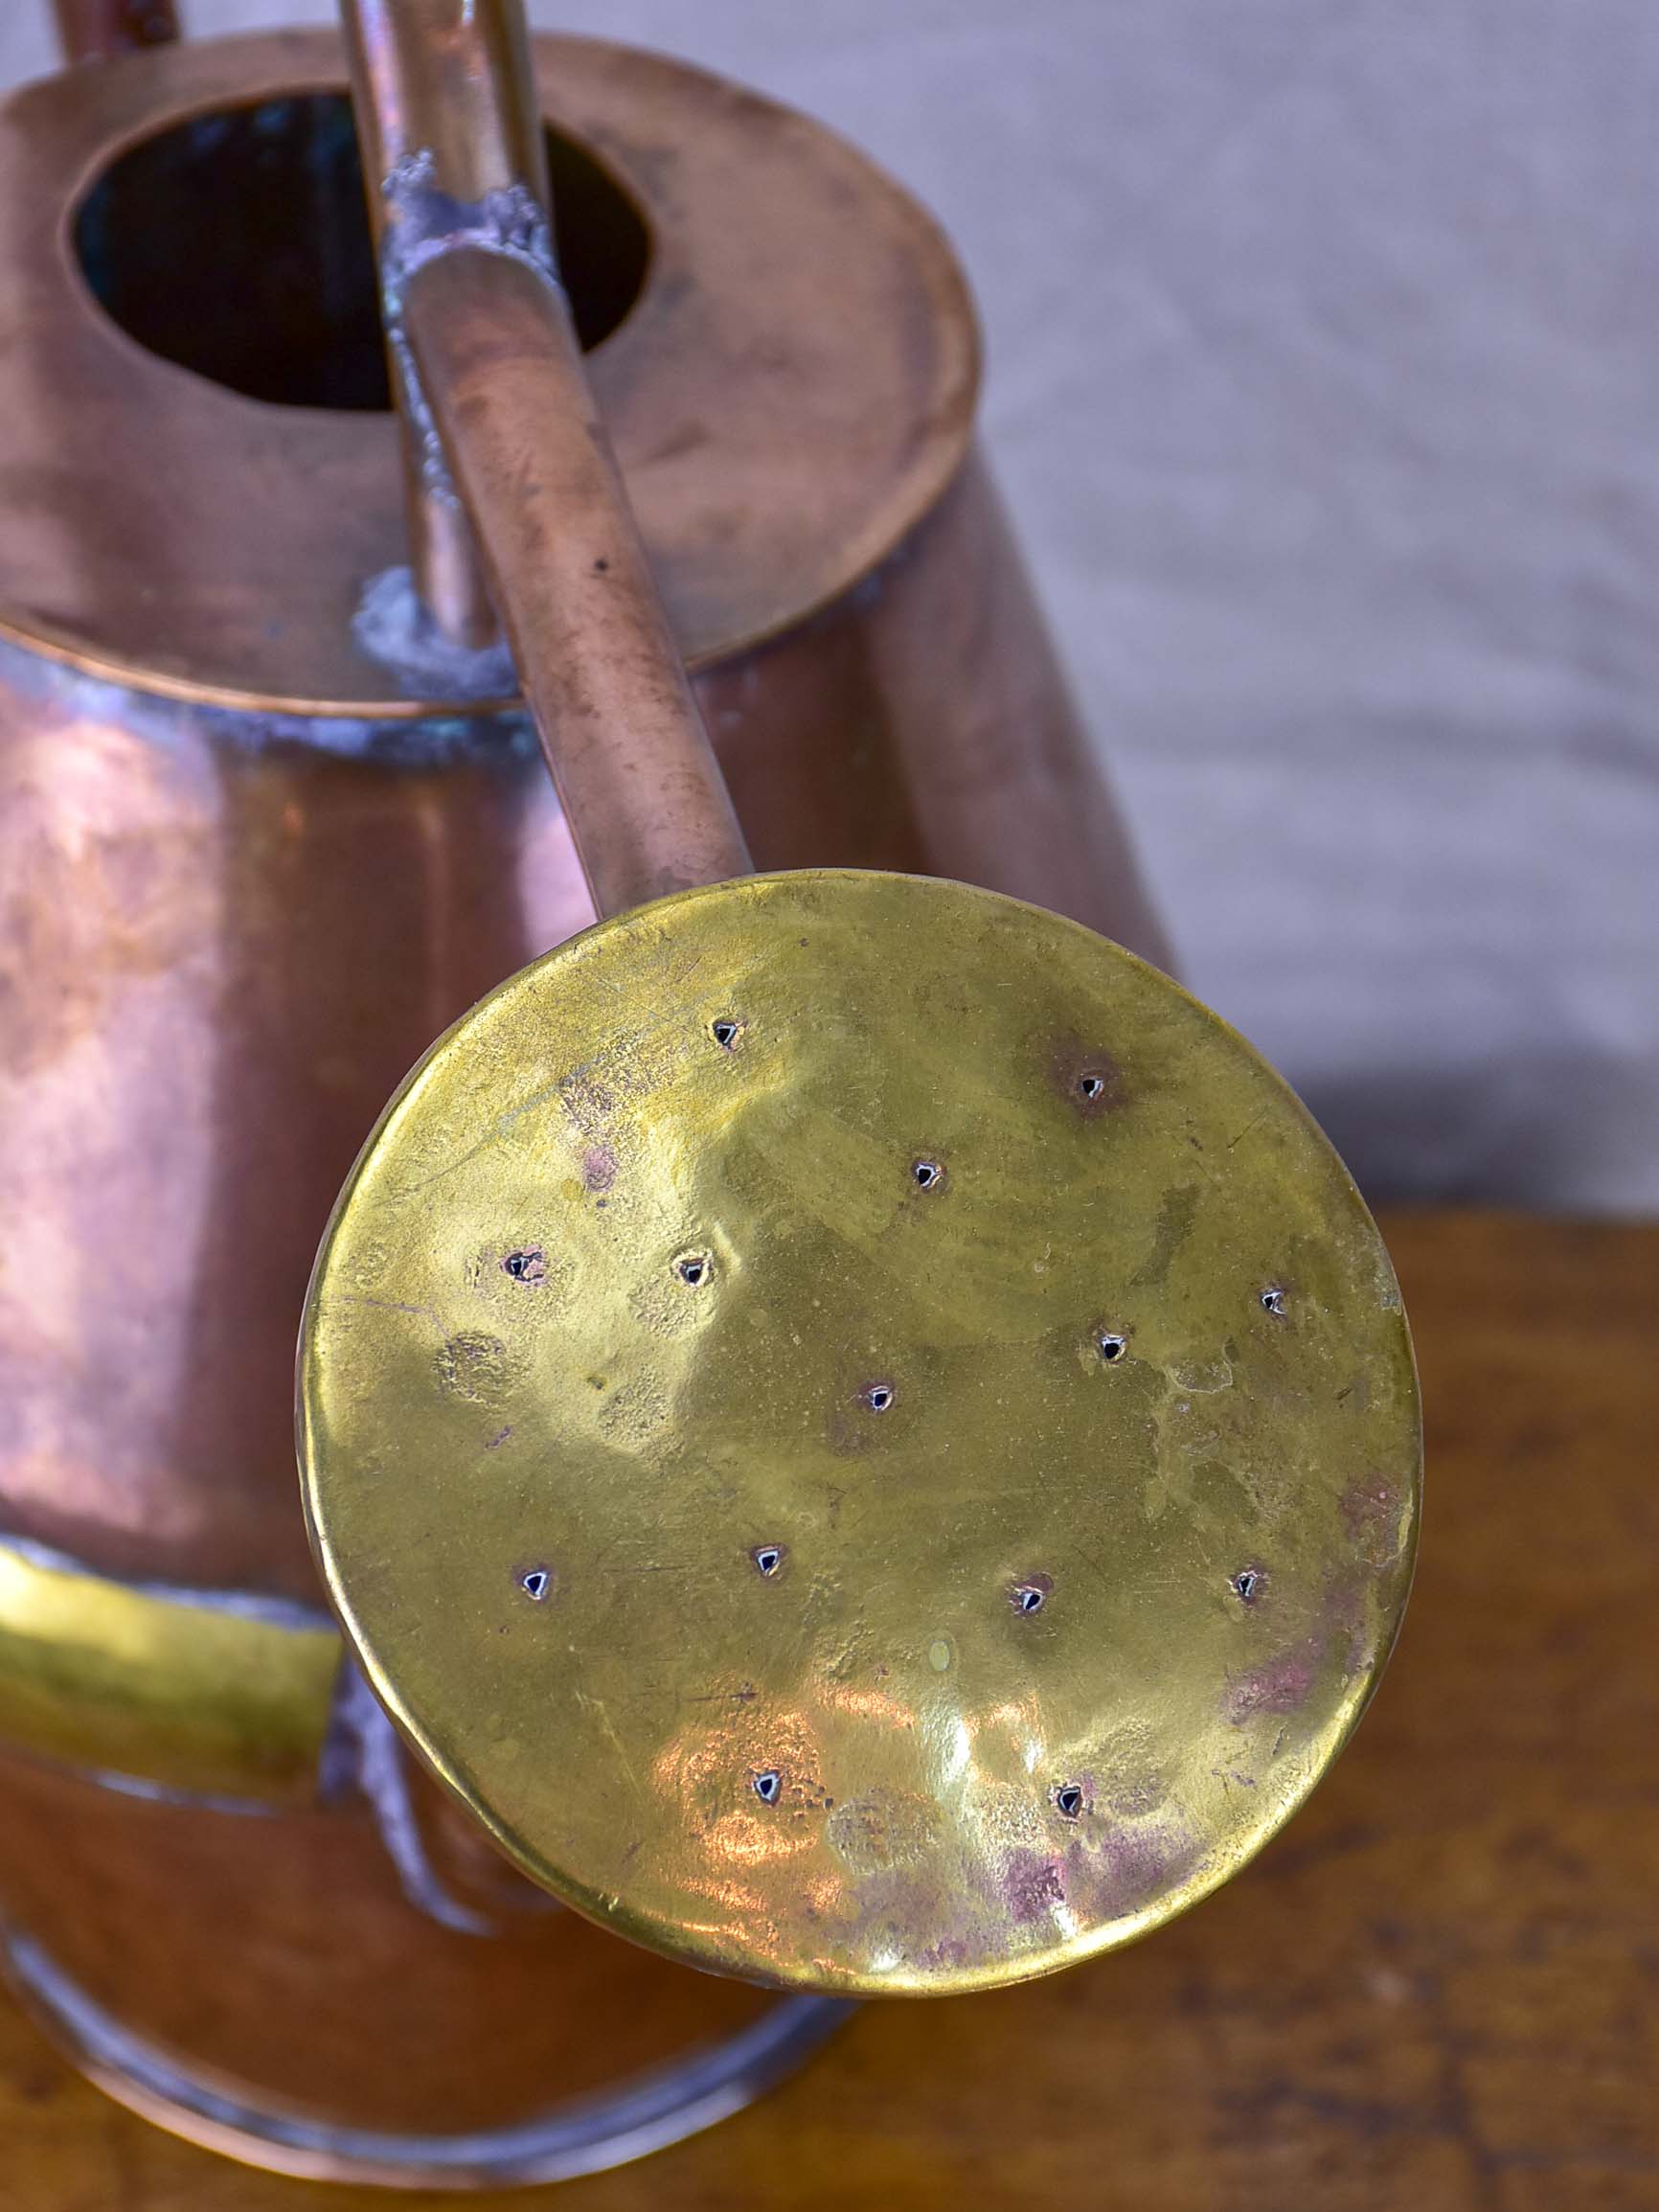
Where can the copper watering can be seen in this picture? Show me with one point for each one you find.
(853, 1434)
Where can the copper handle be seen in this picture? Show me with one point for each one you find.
(507, 439)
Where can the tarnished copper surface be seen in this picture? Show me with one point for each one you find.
(222, 942)
(792, 392)
(864, 1433)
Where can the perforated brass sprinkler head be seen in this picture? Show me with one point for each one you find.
(866, 1435)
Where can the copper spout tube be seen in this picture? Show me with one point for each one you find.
(636, 775)
(492, 380)
(442, 87)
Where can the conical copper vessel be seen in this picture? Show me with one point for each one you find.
(262, 836)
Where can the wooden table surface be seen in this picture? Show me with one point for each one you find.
(1439, 1989)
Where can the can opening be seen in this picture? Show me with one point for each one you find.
(236, 245)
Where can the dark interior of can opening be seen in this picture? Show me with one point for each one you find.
(236, 245)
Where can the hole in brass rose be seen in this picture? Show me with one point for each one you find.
(1028, 1595)
(1247, 1584)
(927, 1175)
(694, 1269)
(877, 1395)
(726, 1032)
(1110, 1345)
(1069, 1799)
(535, 1584)
(767, 1784)
(768, 1557)
(1273, 1302)
(528, 1264)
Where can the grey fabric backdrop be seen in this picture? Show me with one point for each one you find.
(1324, 377)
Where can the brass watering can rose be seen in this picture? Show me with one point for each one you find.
(860, 1430)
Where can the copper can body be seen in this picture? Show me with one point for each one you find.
(257, 848)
